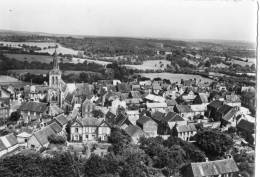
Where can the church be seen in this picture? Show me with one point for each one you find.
(57, 86)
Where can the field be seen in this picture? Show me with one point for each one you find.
(80, 60)
(174, 77)
(43, 45)
(30, 58)
(42, 71)
(151, 65)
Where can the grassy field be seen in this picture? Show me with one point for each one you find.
(42, 71)
(30, 58)
(151, 65)
(43, 45)
(175, 77)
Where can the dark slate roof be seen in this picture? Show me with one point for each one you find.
(183, 108)
(214, 168)
(246, 125)
(142, 120)
(110, 117)
(172, 117)
(42, 135)
(123, 87)
(69, 98)
(56, 127)
(33, 107)
(121, 119)
(158, 116)
(215, 104)
(61, 119)
(224, 109)
(133, 130)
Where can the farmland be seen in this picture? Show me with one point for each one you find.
(151, 65)
(30, 58)
(175, 77)
(46, 47)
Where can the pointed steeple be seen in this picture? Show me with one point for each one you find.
(55, 59)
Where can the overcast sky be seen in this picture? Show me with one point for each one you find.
(178, 19)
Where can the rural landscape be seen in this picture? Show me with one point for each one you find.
(83, 105)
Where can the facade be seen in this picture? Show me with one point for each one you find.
(148, 125)
(89, 129)
(185, 132)
(133, 116)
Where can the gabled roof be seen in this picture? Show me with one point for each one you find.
(224, 109)
(142, 120)
(33, 107)
(215, 104)
(42, 135)
(133, 130)
(232, 98)
(183, 108)
(214, 168)
(9, 140)
(61, 119)
(56, 127)
(123, 87)
(172, 117)
(121, 119)
(158, 116)
(110, 117)
(155, 98)
(186, 128)
(156, 105)
(203, 97)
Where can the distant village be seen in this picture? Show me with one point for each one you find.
(35, 117)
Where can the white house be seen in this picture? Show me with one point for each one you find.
(133, 116)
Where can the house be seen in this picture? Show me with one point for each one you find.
(61, 120)
(89, 129)
(199, 109)
(8, 143)
(213, 107)
(135, 133)
(172, 119)
(40, 138)
(122, 121)
(201, 98)
(157, 116)
(227, 115)
(154, 98)
(220, 168)
(23, 138)
(31, 111)
(56, 128)
(110, 118)
(153, 107)
(148, 125)
(133, 116)
(188, 98)
(156, 88)
(4, 110)
(54, 110)
(116, 104)
(185, 132)
(170, 104)
(184, 111)
(135, 94)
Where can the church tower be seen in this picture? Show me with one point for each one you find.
(55, 82)
(55, 73)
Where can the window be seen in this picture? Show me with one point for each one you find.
(76, 130)
(87, 136)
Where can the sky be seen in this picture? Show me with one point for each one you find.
(170, 19)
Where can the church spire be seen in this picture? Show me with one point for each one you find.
(55, 59)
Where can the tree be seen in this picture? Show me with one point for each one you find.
(213, 142)
(15, 116)
(56, 139)
(98, 113)
(95, 166)
(119, 140)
